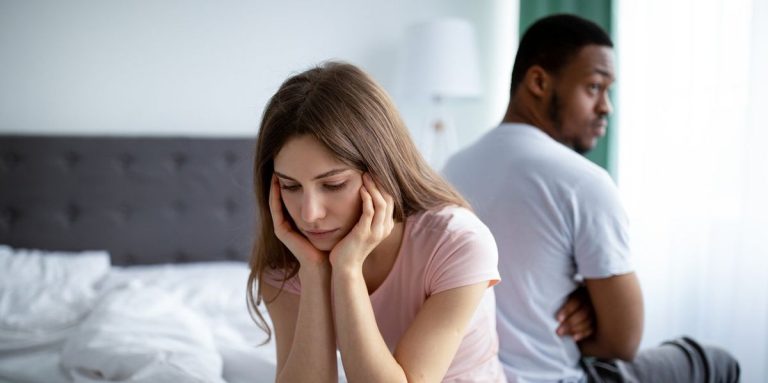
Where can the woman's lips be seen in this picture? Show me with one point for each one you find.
(320, 234)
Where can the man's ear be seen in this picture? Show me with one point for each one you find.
(538, 81)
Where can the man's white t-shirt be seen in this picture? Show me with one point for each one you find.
(555, 216)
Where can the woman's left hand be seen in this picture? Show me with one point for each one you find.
(375, 224)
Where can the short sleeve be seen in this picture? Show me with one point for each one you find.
(601, 238)
(274, 278)
(464, 257)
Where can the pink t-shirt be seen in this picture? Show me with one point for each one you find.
(441, 250)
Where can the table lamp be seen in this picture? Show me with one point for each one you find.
(440, 63)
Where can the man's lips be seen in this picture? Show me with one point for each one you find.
(599, 128)
(600, 131)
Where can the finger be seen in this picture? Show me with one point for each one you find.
(390, 217)
(583, 335)
(389, 201)
(577, 317)
(275, 202)
(581, 330)
(379, 205)
(571, 305)
(368, 211)
(577, 322)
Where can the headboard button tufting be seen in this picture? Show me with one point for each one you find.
(180, 256)
(230, 159)
(73, 213)
(12, 160)
(126, 161)
(9, 217)
(71, 159)
(179, 161)
(231, 254)
(179, 207)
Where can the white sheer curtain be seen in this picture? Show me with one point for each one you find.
(693, 169)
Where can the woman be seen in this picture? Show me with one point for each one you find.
(363, 247)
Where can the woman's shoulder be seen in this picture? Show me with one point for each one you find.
(448, 220)
(457, 248)
(282, 279)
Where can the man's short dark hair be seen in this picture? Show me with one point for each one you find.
(552, 41)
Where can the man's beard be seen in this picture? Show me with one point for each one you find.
(555, 115)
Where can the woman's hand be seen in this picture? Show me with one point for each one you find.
(301, 248)
(375, 224)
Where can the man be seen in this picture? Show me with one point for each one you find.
(560, 227)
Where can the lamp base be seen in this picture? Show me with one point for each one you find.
(439, 142)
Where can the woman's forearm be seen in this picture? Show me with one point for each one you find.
(313, 352)
(364, 353)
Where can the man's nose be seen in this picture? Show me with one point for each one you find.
(605, 107)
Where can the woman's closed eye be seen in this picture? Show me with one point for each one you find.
(335, 186)
(290, 188)
(328, 186)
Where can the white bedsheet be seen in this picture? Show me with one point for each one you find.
(197, 311)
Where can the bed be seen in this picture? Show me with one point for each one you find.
(125, 259)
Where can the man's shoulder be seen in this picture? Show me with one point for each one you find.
(522, 158)
(521, 144)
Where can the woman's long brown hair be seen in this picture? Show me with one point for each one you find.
(344, 109)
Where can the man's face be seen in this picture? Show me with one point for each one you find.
(579, 105)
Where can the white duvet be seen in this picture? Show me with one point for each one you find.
(142, 334)
(170, 323)
(42, 292)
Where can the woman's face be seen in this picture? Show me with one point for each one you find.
(321, 193)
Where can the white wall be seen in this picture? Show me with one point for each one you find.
(205, 68)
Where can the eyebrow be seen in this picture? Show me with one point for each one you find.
(603, 72)
(324, 175)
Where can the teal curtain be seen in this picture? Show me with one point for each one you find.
(600, 12)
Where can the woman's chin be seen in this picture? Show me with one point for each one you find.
(325, 241)
(323, 245)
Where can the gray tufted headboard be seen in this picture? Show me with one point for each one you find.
(145, 200)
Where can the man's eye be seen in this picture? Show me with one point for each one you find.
(595, 87)
(290, 188)
(334, 187)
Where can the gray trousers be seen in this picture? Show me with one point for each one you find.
(681, 360)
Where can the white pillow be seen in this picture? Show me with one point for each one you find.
(212, 288)
(45, 291)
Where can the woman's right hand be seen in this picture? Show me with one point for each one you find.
(301, 248)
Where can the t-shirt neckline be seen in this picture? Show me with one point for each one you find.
(387, 281)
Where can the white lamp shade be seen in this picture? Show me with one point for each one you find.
(441, 60)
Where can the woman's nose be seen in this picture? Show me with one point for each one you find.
(312, 208)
